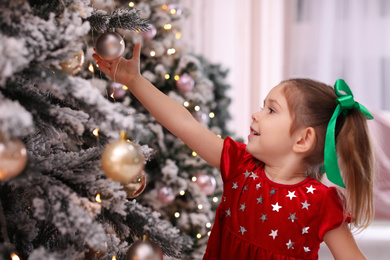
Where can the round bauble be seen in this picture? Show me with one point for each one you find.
(166, 195)
(122, 161)
(206, 183)
(110, 45)
(144, 250)
(115, 90)
(136, 186)
(74, 64)
(149, 34)
(185, 83)
(13, 158)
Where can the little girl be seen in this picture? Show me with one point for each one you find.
(274, 206)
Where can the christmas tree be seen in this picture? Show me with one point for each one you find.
(60, 198)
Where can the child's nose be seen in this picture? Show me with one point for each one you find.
(255, 116)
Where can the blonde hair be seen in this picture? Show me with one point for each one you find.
(312, 104)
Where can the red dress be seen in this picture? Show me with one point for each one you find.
(261, 219)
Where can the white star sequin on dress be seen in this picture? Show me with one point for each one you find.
(292, 217)
(276, 207)
(310, 189)
(254, 176)
(290, 244)
(247, 173)
(291, 195)
(258, 186)
(235, 186)
(264, 217)
(305, 205)
(242, 207)
(272, 192)
(242, 230)
(228, 213)
(245, 188)
(305, 230)
(307, 249)
(274, 233)
(260, 200)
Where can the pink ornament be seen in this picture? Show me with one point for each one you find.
(206, 183)
(166, 195)
(201, 117)
(185, 83)
(149, 34)
(115, 90)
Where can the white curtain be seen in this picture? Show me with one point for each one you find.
(264, 42)
(348, 39)
(248, 38)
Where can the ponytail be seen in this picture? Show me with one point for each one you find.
(312, 103)
(356, 161)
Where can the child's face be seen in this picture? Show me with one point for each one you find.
(270, 140)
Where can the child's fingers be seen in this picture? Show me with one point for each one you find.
(101, 62)
(137, 51)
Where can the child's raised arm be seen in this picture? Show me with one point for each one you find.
(172, 115)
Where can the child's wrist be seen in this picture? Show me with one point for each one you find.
(134, 82)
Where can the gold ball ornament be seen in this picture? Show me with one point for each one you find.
(136, 186)
(13, 158)
(144, 250)
(74, 64)
(122, 160)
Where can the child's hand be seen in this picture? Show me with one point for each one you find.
(121, 70)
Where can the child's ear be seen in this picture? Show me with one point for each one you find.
(306, 139)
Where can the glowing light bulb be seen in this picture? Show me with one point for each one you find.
(152, 53)
(178, 35)
(215, 199)
(177, 77)
(172, 11)
(124, 87)
(112, 95)
(121, 42)
(208, 225)
(211, 115)
(182, 192)
(194, 153)
(95, 132)
(197, 108)
(167, 26)
(177, 214)
(164, 7)
(167, 76)
(97, 198)
(131, 4)
(90, 68)
(200, 206)
(113, 257)
(199, 235)
(171, 51)
(15, 256)
(194, 179)
(209, 233)
(219, 136)
(186, 103)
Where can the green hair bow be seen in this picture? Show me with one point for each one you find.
(345, 103)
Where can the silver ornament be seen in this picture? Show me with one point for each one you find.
(110, 45)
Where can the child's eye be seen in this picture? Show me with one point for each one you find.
(271, 111)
